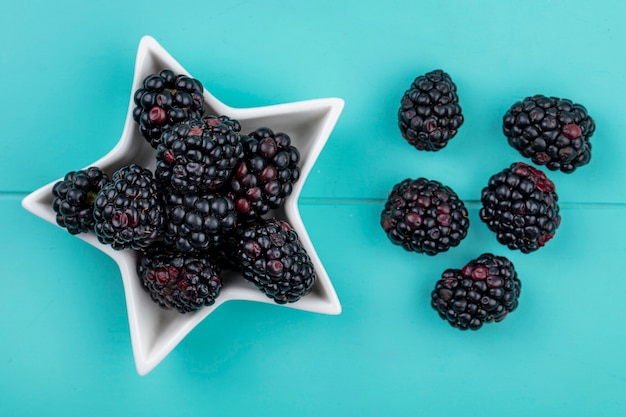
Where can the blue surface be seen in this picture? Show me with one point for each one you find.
(67, 71)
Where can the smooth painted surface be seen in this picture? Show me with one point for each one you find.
(67, 72)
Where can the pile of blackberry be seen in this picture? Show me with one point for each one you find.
(519, 204)
(206, 208)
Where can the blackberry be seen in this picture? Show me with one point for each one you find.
(184, 282)
(486, 290)
(74, 197)
(520, 205)
(430, 114)
(199, 155)
(166, 98)
(551, 131)
(128, 211)
(424, 216)
(274, 260)
(197, 221)
(264, 177)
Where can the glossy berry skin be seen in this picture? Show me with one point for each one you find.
(551, 131)
(197, 222)
(265, 176)
(177, 281)
(73, 199)
(430, 114)
(485, 290)
(520, 205)
(128, 211)
(424, 216)
(199, 155)
(274, 260)
(165, 99)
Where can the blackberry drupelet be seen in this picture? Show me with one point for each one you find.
(520, 205)
(265, 176)
(274, 260)
(128, 211)
(74, 197)
(166, 98)
(197, 222)
(184, 282)
(551, 131)
(424, 216)
(199, 155)
(430, 114)
(486, 290)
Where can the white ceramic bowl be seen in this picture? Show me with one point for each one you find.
(154, 331)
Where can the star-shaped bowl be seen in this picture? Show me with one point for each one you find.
(156, 332)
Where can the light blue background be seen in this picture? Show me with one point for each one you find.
(67, 68)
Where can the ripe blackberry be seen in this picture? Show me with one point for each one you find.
(264, 177)
(551, 131)
(128, 211)
(274, 260)
(165, 99)
(520, 205)
(185, 282)
(199, 155)
(485, 290)
(424, 216)
(197, 221)
(430, 114)
(74, 197)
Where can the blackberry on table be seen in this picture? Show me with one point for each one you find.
(424, 216)
(551, 131)
(74, 197)
(430, 114)
(520, 205)
(265, 176)
(174, 280)
(199, 155)
(197, 222)
(128, 211)
(164, 99)
(485, 290)
(274, 260)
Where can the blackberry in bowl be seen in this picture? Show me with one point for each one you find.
(74, 196)
(199, 155)
(164, 99)
(485, 290)
(274, 260)
(550, 131)
(266, 174)
(178, 281)
(430, 114)
(424, 216)
(128, 211)
(520, 205)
